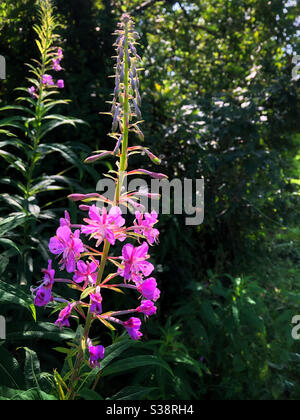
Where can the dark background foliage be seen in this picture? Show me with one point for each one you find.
(219, 102)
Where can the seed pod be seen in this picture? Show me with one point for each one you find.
(122, 74)
(115, 120)
(117, 88)
(113, 108)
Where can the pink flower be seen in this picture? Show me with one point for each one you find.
(56, 65)
(132, 326)
(63, 318)
(47, 80)
(135, 264)
(147, 307)
(104, 225)
(44, 292)
(31, 91)
(67, 244)
(96, 300)
(96, 353)
(66, 221)
(149, 289)
(144, 225)
(43, 296)
(59, 54)
(60, 84)
(86, 272)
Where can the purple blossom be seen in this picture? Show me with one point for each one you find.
(47, 80)
(66, 221)
(67, 244)
(96, 302)
(144, 225)
(135, 264)
(96, 353)
(31, 91)
(43, 296)
(56, 66)
(44, 292)
(149, 289)
(59, 54)
(132, 326)
(60, 84)
(103, 225)
(49, 275)
(63, 318)
(86, 272)
(147, 308)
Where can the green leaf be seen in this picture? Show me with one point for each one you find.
(57, 121)
(7, 243)
(39, 330)
(11, 223)
(90, 395)
(132, 393)
(135, 362)
(33, 394)
(31, 368)
(10, 372)
(16, 295)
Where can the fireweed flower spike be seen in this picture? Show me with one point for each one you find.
(103, 227)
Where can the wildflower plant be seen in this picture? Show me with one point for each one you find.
(83, 250)
(25, 147)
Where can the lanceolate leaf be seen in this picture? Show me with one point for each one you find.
(134, 362)
(15, 295)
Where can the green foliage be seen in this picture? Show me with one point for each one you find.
(26, 150)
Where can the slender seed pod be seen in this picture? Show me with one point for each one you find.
(122, 74)
(115, 120)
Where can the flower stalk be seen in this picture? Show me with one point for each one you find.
(106, 227)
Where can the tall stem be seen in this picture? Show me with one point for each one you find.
(106, 248)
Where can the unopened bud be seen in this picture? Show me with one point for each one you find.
(115, 120)
(117, 148)
(153, 158)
